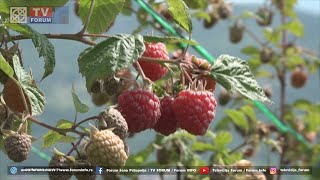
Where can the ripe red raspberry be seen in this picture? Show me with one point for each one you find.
(153, 70)
(194, 110)
(167, 124)
(140, 108)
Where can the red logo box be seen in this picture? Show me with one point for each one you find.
(204, 170)
(40, 11)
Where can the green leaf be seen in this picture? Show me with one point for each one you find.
(238, 118)
(202, 147)
(103, 15)
(250, 50)
(35, 95)
(5, 67)
(20, 28)
(234, 73)
(41, 43)
(302, 104)
(222, 139)
(155, 39)
(109, 56)
(64, 121)
(80, 107)
(202, 15)
(64, 124)
(50, 139)
(53, 137)
(180, 13)
(272, 35)
(45, 50)
(67, 139)
(249, 111)
(36, 3)
(295, 27)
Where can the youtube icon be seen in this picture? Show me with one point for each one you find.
(204, 170)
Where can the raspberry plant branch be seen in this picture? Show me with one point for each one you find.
(58, 130)
(83, 30)
(281, 76)
(85, 120)
(73, 37)
(74, 146)
(255, 37)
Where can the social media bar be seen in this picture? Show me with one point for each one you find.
(203, 170)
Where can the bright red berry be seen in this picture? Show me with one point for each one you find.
(153, 70)
(194, 110)
(167, 124)
(140, 108)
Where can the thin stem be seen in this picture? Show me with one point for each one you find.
(148, 59)
(140, 70)
(253, 36)
(238, 147)
(73, 37)
(86, 24)
(74, 146)
(58, 130)
(85, 120)
(281, 75)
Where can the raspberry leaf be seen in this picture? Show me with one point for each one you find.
(180, 13)
(109, 56)
(80, 107)
(238, 118)
(103, 14)
(222, 140)
(52, 137)
(35, 95)
(5, 67)
(41, 43)
(234, 73)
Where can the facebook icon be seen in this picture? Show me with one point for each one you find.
(99, 170)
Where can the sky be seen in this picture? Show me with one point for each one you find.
(310, 6)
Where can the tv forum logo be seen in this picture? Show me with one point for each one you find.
(39, 15)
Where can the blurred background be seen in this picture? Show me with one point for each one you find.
(58, 86)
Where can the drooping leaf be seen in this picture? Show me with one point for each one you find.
(20, 28)
(35, 95)
(272, 35)
(238, 118)
(80, 107)
(109, 56)
(50, 139)
(41, 43)
(295, 27)
(180, 13)
(5, 66)
(234, 73)
(249, 111)
(154, 39)
(250, 50)
(202, 147)
(103, 14)
(222, 139)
